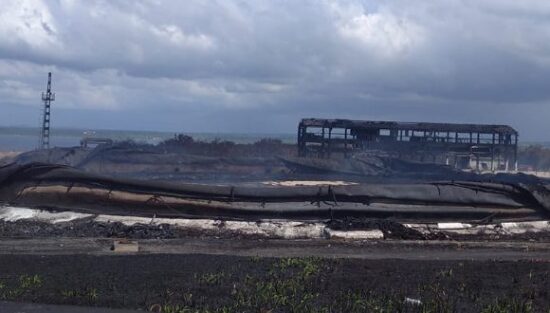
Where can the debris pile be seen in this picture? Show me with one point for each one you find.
(85, 228)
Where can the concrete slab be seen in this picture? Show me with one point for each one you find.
(125, 246)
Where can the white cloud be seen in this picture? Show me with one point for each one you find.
(176, 36)
(402, 59)
(29, 22)
(383, 33)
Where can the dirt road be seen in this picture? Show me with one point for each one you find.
(375, 250)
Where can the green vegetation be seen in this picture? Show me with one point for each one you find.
(210, 278)
(89, 294)
(509, 306)
(25, 284)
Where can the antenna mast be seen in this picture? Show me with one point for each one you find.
(47, 97)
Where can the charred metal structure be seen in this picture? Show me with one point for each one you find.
(482, 147)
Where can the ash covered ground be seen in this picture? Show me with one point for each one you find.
(183, 159)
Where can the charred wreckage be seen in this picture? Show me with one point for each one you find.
(464, 146)
(374, 188)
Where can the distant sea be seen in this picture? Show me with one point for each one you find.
(27, 138)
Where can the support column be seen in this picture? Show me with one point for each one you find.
(345, 142)
(493, 154)
(329, 143)
(301, 144)
(516, 153)
(322, 152)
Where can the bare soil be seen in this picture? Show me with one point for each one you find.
(206, 283)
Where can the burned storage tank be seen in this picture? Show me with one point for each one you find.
(463, 146)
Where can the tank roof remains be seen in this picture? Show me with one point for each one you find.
(416, 126)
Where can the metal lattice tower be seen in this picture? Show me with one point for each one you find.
(47, 97)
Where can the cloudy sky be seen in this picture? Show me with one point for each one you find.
(261, 65)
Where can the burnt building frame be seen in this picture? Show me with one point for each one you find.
(460, 145)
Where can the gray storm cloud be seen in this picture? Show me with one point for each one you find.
(243, 65)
